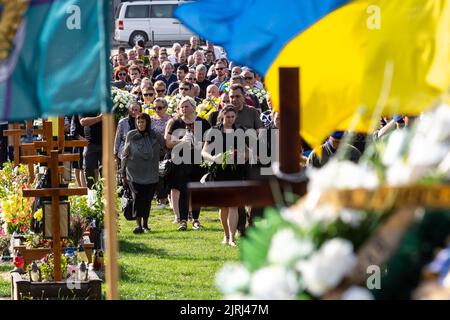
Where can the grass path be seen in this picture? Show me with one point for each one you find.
(169, 264)
(166, 264)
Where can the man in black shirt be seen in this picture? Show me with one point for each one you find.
(92, 154)
(200, 74)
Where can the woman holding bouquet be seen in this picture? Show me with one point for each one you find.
(181, 136)
(229, 165)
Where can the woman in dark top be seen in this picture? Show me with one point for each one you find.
(235, 153)
(182, 136)
(77, 132)
(140, 168)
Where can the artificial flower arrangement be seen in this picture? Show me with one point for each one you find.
(88, 211)
(298, 255)
(91, 206)
(16, 211)
(35, 240)
(121, 99)
(207, 107)
(172, 102)
(262, 96)
(47, 266)
(310, 249)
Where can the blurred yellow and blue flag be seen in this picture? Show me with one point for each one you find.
(53, 58)
(358, 59)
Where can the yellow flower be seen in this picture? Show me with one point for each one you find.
(38, 215)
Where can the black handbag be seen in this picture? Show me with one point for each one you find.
(165, 167)
(127, 205)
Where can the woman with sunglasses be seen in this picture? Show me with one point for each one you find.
(181, 134)
(124, 126)
(159, 123)
(160, 89)
(140, 168)
(121, 74)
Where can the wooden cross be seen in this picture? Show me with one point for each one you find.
(259, 194)
(52, 159)
(17, 132)
(55, 192)
(49, 144)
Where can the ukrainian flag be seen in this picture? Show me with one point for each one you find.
(358, 59)
(54, 58)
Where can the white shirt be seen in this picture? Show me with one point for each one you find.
(173, 59)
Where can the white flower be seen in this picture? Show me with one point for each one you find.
(426, 153)
(306, 216)
(342, 175)
(357, 293)
(232, 278)
(396, 145)
(286, 248)
(444, 166)
(351, 217)
(274, 283)
(399, 173)
(326, 268)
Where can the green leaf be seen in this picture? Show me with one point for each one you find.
(255, 246)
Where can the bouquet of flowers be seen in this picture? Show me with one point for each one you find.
(224, 162)
(121, 99)
(172, 102)
(34, 240)
(16, 211)
(262, 96)
(207, 107)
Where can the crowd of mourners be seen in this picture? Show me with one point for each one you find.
(179, 99)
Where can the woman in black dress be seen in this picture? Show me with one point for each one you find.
(235, 152)
(181, 136)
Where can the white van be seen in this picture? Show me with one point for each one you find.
(149, 21)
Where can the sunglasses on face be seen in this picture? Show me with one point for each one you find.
(161, 91)
(158, 108)
(219, 69)
(192, 79)
(181, 89)
(122, 74)
(148, 94)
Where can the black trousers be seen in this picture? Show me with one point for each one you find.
(162, 190)
(183, 174)
(142, 198)
(92, 160)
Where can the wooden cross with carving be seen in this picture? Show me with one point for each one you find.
(259, 194)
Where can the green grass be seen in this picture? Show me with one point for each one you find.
(5, 283)
(169, 264)
(166, 264)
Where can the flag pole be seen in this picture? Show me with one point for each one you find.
(111, 250)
